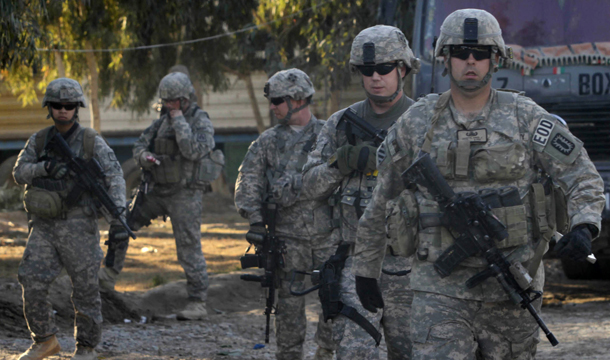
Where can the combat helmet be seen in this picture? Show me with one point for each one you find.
(472, 27)
(64, 90)
(291, 83)
(175, 85)
(382, 44)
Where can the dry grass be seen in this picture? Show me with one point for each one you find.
(151, 258)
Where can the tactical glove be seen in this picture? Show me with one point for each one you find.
(361, 157)
(256, 234)
(117, 233)
(575, 245)
(148, 159)
(55, 169)
(369, 293)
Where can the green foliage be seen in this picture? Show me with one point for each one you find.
(158, 280)
(19, 31)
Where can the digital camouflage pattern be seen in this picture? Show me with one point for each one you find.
(390, 45)
(292, 83)
(193, 135)
(489, 32)
(271, 170)
(323, 183)
(175, 85)
(71, 243)
(64, 90)
(510, 122)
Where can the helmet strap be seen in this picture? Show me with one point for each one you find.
(286, 119)
(386, 99)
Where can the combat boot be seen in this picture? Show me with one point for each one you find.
(107, 279)
(324, 354)
(194, 310)
(84, 353)
(41, 350)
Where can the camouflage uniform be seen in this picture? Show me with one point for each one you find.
(272, 169)
(70, 241)
(326, 184)
(179, 143)
(449, 320)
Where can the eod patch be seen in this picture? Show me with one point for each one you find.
(556, 140)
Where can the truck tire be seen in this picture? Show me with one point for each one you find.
(131, 174)
(6, 172)
(580, 270)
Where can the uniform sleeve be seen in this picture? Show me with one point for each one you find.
(143, 143)
(565, 159)
(197, 141)
(319, 179)
(114, 181)
(27, 166)
(394, 156)
(251, 183)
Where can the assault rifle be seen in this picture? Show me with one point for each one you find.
(360, 128)
(326, 279)
(355, 126)
(269, 255)
(477, 229)
(89, 175)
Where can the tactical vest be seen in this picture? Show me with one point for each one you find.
(176, 169)
(453, 162)
(46, 197)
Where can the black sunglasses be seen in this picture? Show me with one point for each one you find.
(277, 101)
(463, 52)
(381, 69)
(58, 106)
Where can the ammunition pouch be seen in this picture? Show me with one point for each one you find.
(502, 162)
(168, 172)
(209, 168)
(402, 214)
(166, 146)
(434, 238)
(42, 202)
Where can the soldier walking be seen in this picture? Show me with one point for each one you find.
(342, 171)
(63, 224)
(271, 172)
(483, 141)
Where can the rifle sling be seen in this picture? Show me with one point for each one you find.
(353, 315)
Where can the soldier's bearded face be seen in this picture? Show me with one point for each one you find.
(469, 69)
(381, 85)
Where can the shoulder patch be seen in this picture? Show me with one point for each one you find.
(381, 154)
(556, 140)
(392, 145)
(201, 138)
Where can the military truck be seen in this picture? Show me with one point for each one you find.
(561, 61)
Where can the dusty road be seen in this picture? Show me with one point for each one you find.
(578, 312)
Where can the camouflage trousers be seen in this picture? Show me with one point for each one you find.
(184, 209)
(290, 319)
(444, 327)
(354, 342)
(53, 244)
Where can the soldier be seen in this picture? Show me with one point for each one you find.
(271, 171)
(63, 225)
(382, 56)
(174, 152)
(480, 138)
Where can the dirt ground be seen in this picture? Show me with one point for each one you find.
(140, 322)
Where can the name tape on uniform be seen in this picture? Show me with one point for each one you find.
(473, 135)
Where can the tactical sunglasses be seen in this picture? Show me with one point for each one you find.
(277, 101)
(463, 52)
(165, 101)
(58, 106)
(381, 69)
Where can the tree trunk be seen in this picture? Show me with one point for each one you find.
(260, 125)
(335, 101)
(94, 107)
(59, 62)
